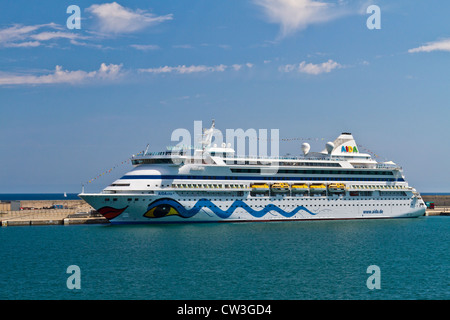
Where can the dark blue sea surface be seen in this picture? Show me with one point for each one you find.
(272, 260)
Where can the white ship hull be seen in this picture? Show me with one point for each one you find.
(135, 209)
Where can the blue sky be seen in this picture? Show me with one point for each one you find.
(75, 103)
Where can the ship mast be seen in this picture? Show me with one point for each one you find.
(207, 136)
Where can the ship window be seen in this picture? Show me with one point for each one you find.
(152, 161)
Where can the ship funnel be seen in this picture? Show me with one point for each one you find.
(330, 147)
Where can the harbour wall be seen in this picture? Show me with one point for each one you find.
(439, 200)
(76, 205)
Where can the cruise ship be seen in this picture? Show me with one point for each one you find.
(213, 184)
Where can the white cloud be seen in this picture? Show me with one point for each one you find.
(110, 19)
(145, 47)
(238, 67)
(16, 32)
(294, 15)
(19, 36)
(114, 18)
(105, 72)
(311, 68)
(45, 36)
(23, 44)
(86, 44)
(110, 71)
(441, 45)
(182, 69)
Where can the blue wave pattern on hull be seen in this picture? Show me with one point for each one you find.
(168, 204)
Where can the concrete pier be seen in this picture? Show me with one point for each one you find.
(438, 211)
(57, 218)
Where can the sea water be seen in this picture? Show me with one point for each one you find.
(270, 260)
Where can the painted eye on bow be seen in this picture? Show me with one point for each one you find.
(160, 211)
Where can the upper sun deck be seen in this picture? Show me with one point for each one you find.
(336, 162)
(342, 153)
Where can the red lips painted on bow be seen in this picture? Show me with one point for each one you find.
(110, 212)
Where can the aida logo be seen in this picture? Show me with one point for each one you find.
(349, 149)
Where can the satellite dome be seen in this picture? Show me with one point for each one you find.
(305, 148)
